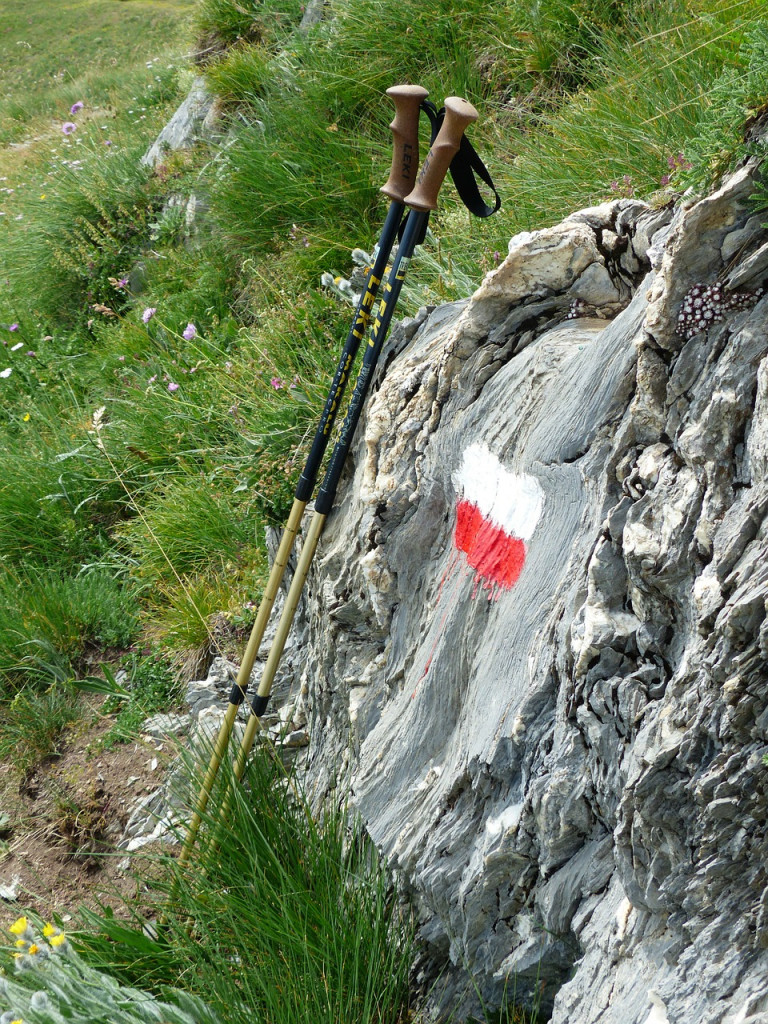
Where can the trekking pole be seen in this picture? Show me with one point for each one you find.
(405, 162)
(422, 200)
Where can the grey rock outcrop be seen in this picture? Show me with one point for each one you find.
(565, 768)
(194, 119)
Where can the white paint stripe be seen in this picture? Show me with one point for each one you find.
(512, 501)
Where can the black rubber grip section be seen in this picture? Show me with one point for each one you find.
(236, 695)
(304, 488)
(259, 705)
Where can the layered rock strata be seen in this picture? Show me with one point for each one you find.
(565, 769)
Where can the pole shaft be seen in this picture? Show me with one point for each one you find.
(243, 676)
(308, 550)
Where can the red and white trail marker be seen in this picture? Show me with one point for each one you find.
(496, 515)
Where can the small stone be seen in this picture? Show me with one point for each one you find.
(9, 891)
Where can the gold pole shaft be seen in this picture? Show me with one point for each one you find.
(269, 596)
(278, 645)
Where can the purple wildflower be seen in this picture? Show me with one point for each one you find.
(152, 379)
(276, 383)
(76, 106)
(13, 327)
(173, 387)
(148, 313)
(68, 127)
(189, 332)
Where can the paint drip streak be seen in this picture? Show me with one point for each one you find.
(496, 556)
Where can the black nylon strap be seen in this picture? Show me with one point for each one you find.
(466, 167)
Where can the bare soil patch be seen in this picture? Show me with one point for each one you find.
(65, 819)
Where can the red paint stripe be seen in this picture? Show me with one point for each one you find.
(469, 519)
(496, 557)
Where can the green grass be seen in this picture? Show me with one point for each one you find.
(143, 455)
(52, 56)
(34, 723)
(292, 919)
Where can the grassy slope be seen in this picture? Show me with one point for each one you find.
(51, 55)
(125, 63)
(141, 459)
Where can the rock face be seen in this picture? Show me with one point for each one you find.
(555, 731)
(194, 119)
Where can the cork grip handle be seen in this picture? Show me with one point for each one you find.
(405, 136)
(458, 114)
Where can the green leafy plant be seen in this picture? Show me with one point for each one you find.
(82, 235)
(151, 687)
(738, 97)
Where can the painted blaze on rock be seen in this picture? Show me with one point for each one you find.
(496, 515)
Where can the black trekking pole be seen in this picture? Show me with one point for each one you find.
(422, 200)
(405, 162)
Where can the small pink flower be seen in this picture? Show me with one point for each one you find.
(13, 327)
(148, 313)
(68, 127)
(173, 387)
(276, 383)
(189, 332)
(76, 106)
(121, 359)
(152, 379)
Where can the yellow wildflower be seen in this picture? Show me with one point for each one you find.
(58, 940)
(49, 929)
(19, 926)
(26, 417)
